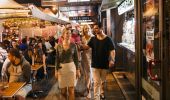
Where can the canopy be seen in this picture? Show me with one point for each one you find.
(49, 12)
(4, 4)
(10, 8)
(62, 16)
(41, 15)
(110, 4)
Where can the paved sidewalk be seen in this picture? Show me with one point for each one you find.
(112, 91)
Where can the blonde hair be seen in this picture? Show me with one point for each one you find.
(84, 26)
(65, 30)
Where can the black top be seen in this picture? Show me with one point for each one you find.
(101, 52)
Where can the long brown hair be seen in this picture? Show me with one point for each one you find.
(64, 32)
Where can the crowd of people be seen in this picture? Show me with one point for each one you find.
(90, 54)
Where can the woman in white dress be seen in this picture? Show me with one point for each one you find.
(67, 65)
(86, 58)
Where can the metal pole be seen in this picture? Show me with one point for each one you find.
(138, 47)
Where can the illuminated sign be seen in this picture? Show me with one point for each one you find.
(125, 6)
(81, 18)
(52, 2)
(77, 0)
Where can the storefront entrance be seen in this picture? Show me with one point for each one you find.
(155, 44)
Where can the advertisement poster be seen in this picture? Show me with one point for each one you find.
(151, 43)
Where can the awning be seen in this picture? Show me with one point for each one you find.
(41, 15)
(10, 9)
(59, 15)
(49, 12)
(13, 13)
(5, 4)
(106, 4)
(62, 16)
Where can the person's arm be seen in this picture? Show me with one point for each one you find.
(27, 72)
(112, 55)
(44, 63)
(57, 62)
(5, 65)
(33, 59)
(76, 61)
(112, 58)
(84, 47)
(112, 52)
(76, 57)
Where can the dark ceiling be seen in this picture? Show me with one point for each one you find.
(71, 9)
(35, 2)
(66, 7)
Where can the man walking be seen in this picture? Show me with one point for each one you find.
(103, 57)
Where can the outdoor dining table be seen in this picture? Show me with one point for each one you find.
(36, 67)
(11, 89)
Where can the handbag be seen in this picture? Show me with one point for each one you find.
(81, 85)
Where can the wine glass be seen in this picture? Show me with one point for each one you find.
(4, 80)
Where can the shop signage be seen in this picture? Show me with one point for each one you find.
(150, 35)
(52, 2)
(81, 18)
(125, 6)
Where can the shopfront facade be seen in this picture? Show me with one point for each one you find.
(141, 35)
(153, 50)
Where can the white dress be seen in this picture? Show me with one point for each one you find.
(67, 75)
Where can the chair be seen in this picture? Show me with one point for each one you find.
(35, 93)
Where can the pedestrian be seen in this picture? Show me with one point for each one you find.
(103, 57)
(86, 58)
(67, 65)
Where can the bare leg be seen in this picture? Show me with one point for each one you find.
(63, 93)
(34, 74)
(71, 93)
(18, 97)
(102, 88)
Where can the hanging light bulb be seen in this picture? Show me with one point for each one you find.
(54, 9)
